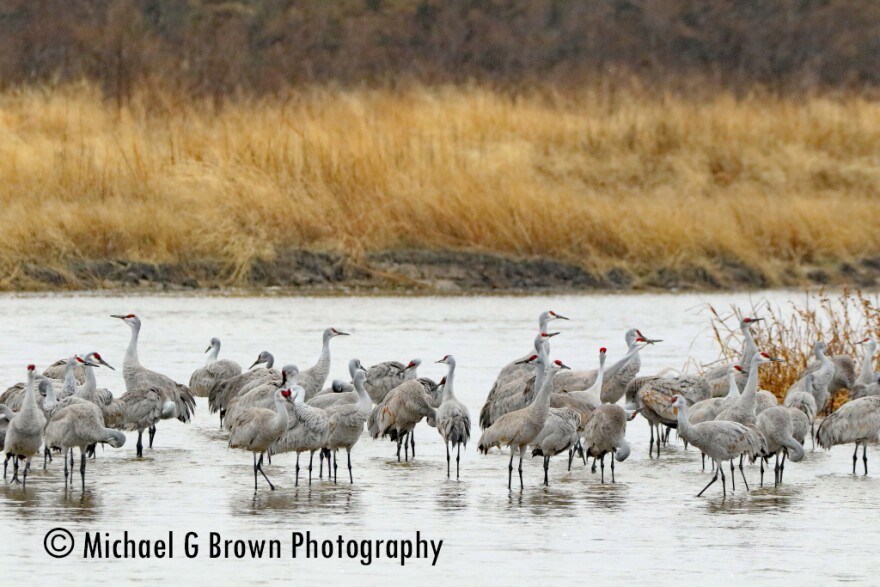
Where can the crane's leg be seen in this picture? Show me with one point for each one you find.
(593, 468)
(650, 446)
(658, 441)
(15, 470)
(570, 457)
(510, 468)
(602, 466)
(350, 476)
(335, 466)
(321, 465)
(522, 449)
(782, 465)
(152, 434)
(5, 464)
(311, 456)
(255, 472)
(704, 460)
(412, 439)
(723, 480)
(743, 475)
(82, 467)
(812, 436)
(260, 467)
(406, 448)
(612, 468)
(855, 457)
(46, 456)
(865, 457)
(457, 460)
(583, 452)
(732, 476)
(398, 448)
(296, 482)
(140, 443)
(222, 414)
(448, 459)
(776, 471)
(27, 466)
(72, 464)
(546, 470)
(761, 460)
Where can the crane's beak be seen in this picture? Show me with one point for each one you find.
(106, 364)
(340, 333)
(562, 365)
(210, 346)
(653, 340)
(257, 362)
(550, 334)
(560, 317)
(117, 316)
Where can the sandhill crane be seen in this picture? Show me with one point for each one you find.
(518, 429)
(177, 401)
(308, 430)
(605, 432)
(383, 377)
(763, 400)
(866, 384)
(583, 402)
(257, 429)
(339, 390)
(651, 399)
(743, 410)
(225, 390)
(453, 418)
(717, 376)
(857, 421)
(24, 434)
(823, 370)
(79, 425)
(263, 395)
(800, 425)
(402, 409)
(57, 370)
(347, 423)
(518, 393)
(312, 379)
(721, 440)
(518, 368)
(708, 410)
(112, 409)
(202, 380)
(559, 434)
(775, 425)
(804, 402)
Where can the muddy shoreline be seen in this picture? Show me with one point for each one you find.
(428, 272)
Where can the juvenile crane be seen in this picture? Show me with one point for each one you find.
(307, 430)
(24, 434)
(203, 380)
(347, 423)
(453, 418)
(224, 391)
(312, 379)
(257, 429)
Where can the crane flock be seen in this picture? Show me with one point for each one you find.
(537, 404)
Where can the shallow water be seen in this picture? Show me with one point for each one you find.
(819, 526)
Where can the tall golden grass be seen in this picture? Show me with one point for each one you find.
(841, 320)
(602, 178)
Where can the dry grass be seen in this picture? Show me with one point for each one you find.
(603, 178)
(841, 320)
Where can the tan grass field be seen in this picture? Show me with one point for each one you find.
(600, 178)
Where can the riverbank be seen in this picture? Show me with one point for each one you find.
(598, 188)
(424, 272)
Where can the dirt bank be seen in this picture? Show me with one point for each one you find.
(423, 271)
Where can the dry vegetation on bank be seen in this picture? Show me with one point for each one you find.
(600, 178)
(842, 320)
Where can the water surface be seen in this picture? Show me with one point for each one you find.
(648, 527)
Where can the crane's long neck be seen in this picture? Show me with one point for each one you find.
(91, 384)
(747, 398)
(323, 360)
(866, 376)
(733, 388)
(364, 401)
(51, 399)
(539, 376)
(212, 356)
(69, 386)
(281, 416)
(542, 401)
(448, 393)
(595, 390)
(685, 428)
(131, 353)
(30, 402)
(749, 347)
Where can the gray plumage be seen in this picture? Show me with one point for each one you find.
(347, 422)
(559, 434)
(857, 421)
(604, 433)
(453, 418)
(801, 426)
(823, 370)
(6, 416)
(178, 402)
(721, 440)
(518, 429)
(24, 434)
(202, 380)
(866, 384)
(307, 430)
(383, 377)
(224, 391)
(339, 392)
(404, 407)
(775, 426)
(263, 395)
(79, 425)
(583, 402)
(312, 379)
(717, 376)
(744, 410)
(652, 397)
(763, 400)
(257, 429)
(709, 409)
(57, 369)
